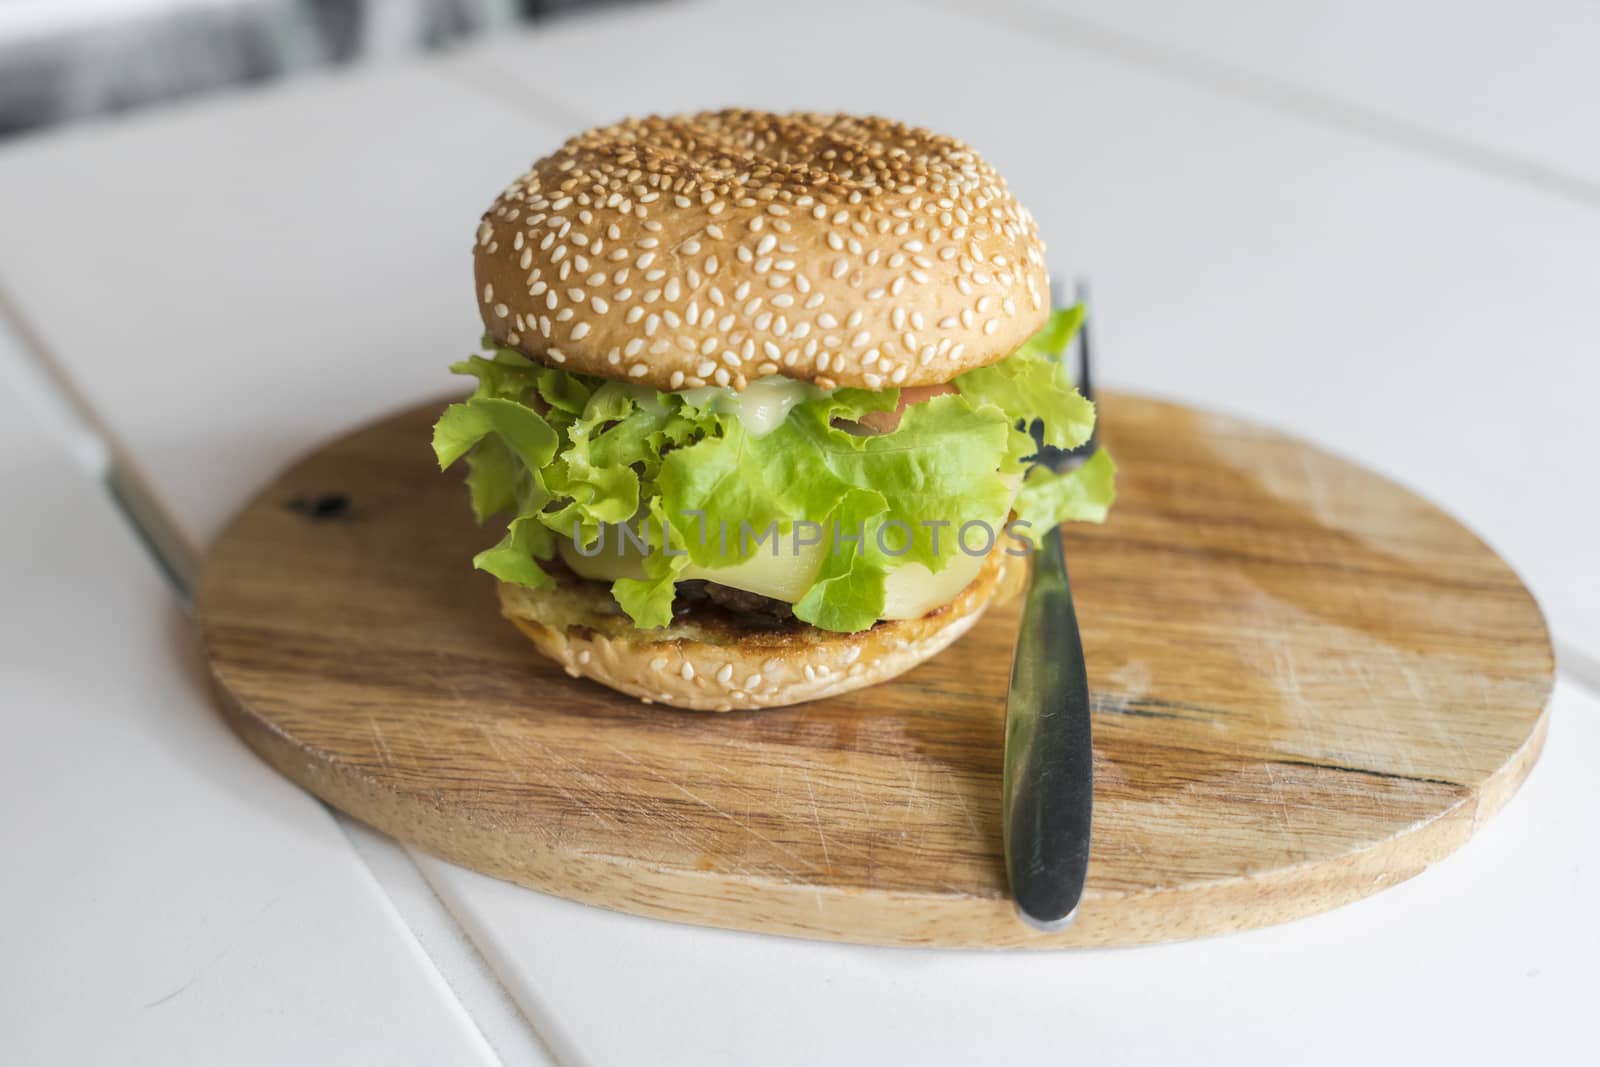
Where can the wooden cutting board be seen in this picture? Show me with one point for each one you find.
(1308, 684)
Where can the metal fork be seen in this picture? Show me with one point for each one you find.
(1049, 758)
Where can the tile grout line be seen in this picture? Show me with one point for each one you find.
(1095, 39)
(65, 412)
(553, 1042)
(494, 83)
(429, 911)
(64, 409)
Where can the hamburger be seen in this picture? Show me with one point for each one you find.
(757, 402)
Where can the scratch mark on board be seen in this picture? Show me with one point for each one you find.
(816, 817)
(709, 806)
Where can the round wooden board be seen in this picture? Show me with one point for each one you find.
(1308, 684)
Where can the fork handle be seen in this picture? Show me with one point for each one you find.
(1049, 762)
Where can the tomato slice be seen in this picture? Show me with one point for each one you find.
(886, 421)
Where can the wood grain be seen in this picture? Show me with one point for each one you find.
(1308, 684)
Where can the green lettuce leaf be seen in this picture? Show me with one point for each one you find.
(1032, 384)
(513, 559)
(648, 601)
(849, 591)
(565, 454)
(717, 489)
(1083, 495)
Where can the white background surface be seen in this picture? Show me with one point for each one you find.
(227, 283)
(168, 898)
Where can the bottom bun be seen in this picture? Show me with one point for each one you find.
(710, 660)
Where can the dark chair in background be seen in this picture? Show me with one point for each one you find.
(58, 63)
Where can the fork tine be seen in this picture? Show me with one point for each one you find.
(1085, 378)
(1085, 362)
(1053, 457)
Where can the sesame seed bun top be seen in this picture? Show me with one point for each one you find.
(718, 248)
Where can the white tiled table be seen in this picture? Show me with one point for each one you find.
(167, 897)
(226, 283)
